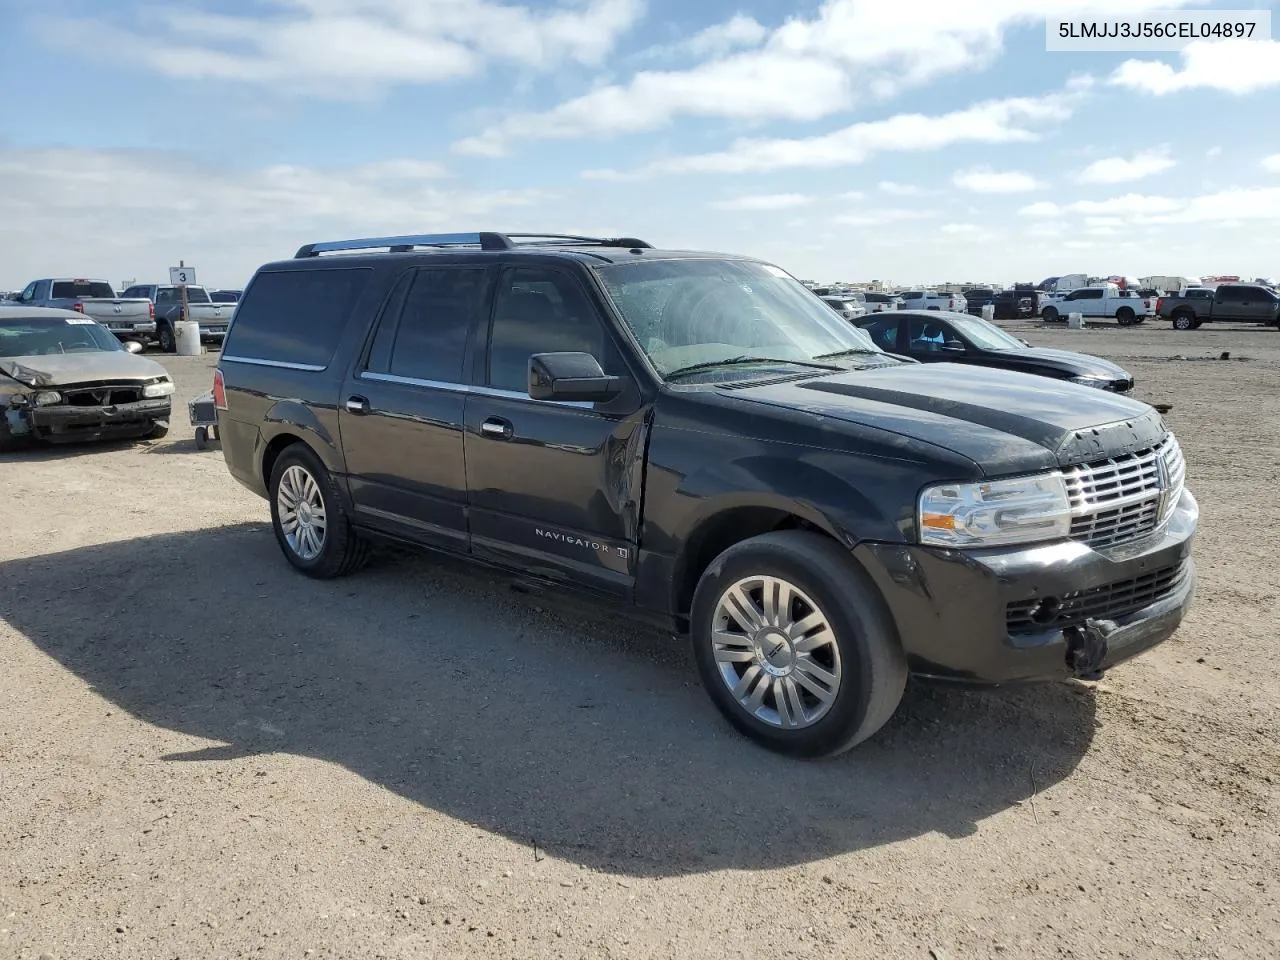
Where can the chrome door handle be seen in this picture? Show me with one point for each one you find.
(357, 405)
(497, 428)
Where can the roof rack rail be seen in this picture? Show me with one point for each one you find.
(485, 241)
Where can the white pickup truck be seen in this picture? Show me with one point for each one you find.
(932, 300)
(1107, 300)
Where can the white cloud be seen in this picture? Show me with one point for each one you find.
(1045, 208)
(1105, 221)
(1271, 164)
(1015, 120)
(852, 195)
(1233, 66)
(714, 41)
(1129, 203)
(1240, 204)
(59, 204)
(805, 69)
(986, 180)
(337, 48)
(1144, 163)
(960, 229)
(1213, 152)
(869, 218)
(765, 201)
(751, 88)
(901, 189)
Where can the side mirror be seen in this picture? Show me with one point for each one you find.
(1024, 343)
(953, 346)
(133, 346)
(570, 376)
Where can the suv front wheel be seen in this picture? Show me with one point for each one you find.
(794, 644)
(310, 519)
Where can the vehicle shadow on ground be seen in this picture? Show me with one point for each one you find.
(547, 724)
(52, 452)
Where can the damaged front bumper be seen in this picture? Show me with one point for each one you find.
(60, 423)
(1036, 613)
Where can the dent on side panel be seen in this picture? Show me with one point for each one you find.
(317, 423)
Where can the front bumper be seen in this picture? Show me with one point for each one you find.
(60, 423)
(1037, 613)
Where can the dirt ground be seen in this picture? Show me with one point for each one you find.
(204, 754)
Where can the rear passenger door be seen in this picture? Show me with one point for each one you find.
(401, 412)
(554, 486)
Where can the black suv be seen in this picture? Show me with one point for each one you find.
(700, 440)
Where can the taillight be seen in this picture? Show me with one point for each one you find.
(151, 311)
(78, 307)
(219, 390)
(1159, 304)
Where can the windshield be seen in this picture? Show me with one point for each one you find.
(82, 290)
(689, 312)
(174, 295)
(36, 336)
(985, 335)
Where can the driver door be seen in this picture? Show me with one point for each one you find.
(928, 340)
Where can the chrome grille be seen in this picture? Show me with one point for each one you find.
(1124, 498)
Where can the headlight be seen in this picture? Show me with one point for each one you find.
(45, 398)
(995, 512)
(1101, 384)
(164, 388)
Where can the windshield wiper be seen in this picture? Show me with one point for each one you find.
(733, 361)
(851, 352)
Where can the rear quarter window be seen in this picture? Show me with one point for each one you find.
(295, 316)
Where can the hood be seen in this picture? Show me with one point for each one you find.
(1004, 421)
(55, 370)
(1069, 362)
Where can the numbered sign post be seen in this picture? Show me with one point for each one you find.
(180, 276)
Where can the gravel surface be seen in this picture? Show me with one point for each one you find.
(204, 754)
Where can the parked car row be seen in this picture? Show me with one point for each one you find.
(144, 313)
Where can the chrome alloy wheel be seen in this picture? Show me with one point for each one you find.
(301, 510)
(776, 652)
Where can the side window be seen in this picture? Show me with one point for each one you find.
(541, 311)
(926, 335)
(296, 316)
(165, 295)
(885, 334)
(379, 358)
(1230, 295)
(439, 311)
(29, 293)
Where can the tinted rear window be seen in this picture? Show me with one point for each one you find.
(296, 316)
(76, 289)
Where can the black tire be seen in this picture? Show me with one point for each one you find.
(1049, 315)
(165, 336)
(202, 437)
(1184, 320)
(343, 550)
(874, 668)
(1126, 316)
(159, 430)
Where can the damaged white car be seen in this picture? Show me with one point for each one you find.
(64, 377)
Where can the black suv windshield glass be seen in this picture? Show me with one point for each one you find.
(687, 313)
(36, 336)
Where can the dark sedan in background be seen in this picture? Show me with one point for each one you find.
(934, 336)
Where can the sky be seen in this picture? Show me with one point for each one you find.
(911, 142)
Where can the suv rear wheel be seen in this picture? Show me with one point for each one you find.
(1126, 316)
(1186, 320)
(1049, 315)
(168, 343)
(310, 519)
(794, 644)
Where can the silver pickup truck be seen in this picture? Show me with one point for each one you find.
(167, 302)
(127, 318)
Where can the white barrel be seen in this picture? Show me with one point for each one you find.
(187, 335)
(1075, 321)
(988, 312)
